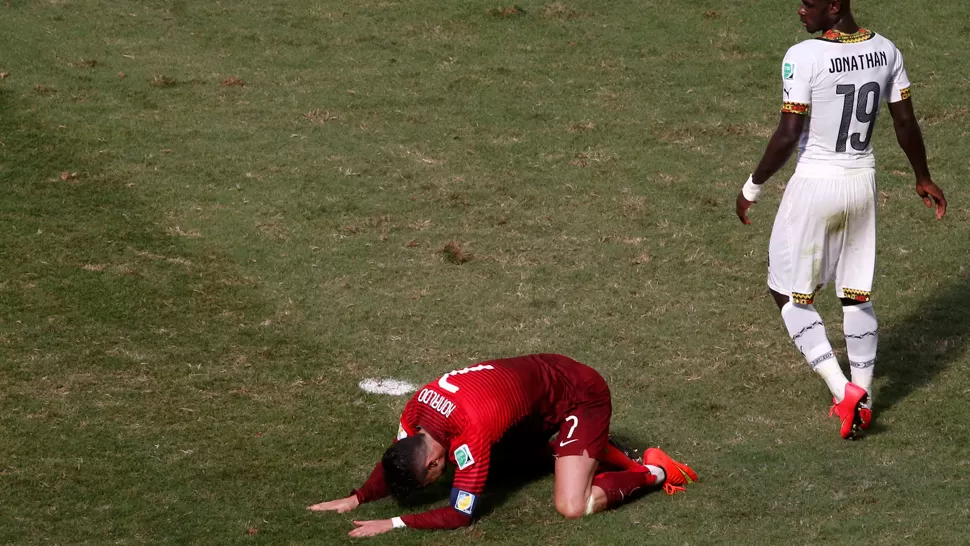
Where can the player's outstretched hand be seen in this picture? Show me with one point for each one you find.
(741, 208)
(339, 505)
(927, 190)
(371, 528)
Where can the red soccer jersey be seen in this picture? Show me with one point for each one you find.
(469, 410)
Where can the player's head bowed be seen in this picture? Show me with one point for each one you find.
(411, 464)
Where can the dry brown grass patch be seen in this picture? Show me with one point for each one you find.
(162, 82)
(590, 156)
(421, 226)
(558, 10)
(508, 11)
(83, 63)
(940, 117)
(179, 232)
(455, 254)
(633, 205)
(582, 126)
(320, 116)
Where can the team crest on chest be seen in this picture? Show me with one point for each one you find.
(463, 457)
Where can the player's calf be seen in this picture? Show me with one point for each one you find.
(807, 332)
(861, 340)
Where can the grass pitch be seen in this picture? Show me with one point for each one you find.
(217, 218)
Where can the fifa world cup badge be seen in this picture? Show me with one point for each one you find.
(788, 72)
(463, 457)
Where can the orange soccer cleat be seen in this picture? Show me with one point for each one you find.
(865, 417)
(851, 412)
(678, 474)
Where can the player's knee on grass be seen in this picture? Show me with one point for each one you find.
(574, 476)
(571, 507)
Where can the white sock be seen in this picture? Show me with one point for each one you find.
(861, 338)
(657, 473)
(807, 332)
(831, 372)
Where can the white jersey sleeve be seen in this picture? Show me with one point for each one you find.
(899, 84)
(796, 82)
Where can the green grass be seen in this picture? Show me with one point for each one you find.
(216, 218)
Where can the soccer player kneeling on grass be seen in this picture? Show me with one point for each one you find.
(460, 417)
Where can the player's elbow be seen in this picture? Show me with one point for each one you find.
(786, 140)
(789, 130)
(459, 521)
(905, 126)
(570, 508)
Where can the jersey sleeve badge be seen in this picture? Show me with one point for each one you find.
(463, 501)
(463, 457)
(788, 71)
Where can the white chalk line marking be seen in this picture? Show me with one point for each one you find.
(389, 386)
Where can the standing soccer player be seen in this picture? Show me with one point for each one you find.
(825, 228)
(460, 417)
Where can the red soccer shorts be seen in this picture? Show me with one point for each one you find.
(586, 427)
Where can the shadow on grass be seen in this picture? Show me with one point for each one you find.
(512, 473)
(522, 457)
(920, 346)
(519, 462)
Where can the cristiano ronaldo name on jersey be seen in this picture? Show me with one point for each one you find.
(437, 402)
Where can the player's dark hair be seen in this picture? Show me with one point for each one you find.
(404, 466)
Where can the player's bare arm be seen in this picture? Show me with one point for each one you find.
(780, 148)
(910, 139)
(375, 488)
(339, 506)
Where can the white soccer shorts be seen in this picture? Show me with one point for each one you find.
(825, 231)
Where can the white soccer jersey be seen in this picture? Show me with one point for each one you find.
(838, 80)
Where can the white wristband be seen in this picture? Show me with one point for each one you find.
(751, 191)
(397, 523)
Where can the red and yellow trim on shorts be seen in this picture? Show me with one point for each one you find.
(905, 94)
(795, 108)
(805, 299)
(857, 295)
